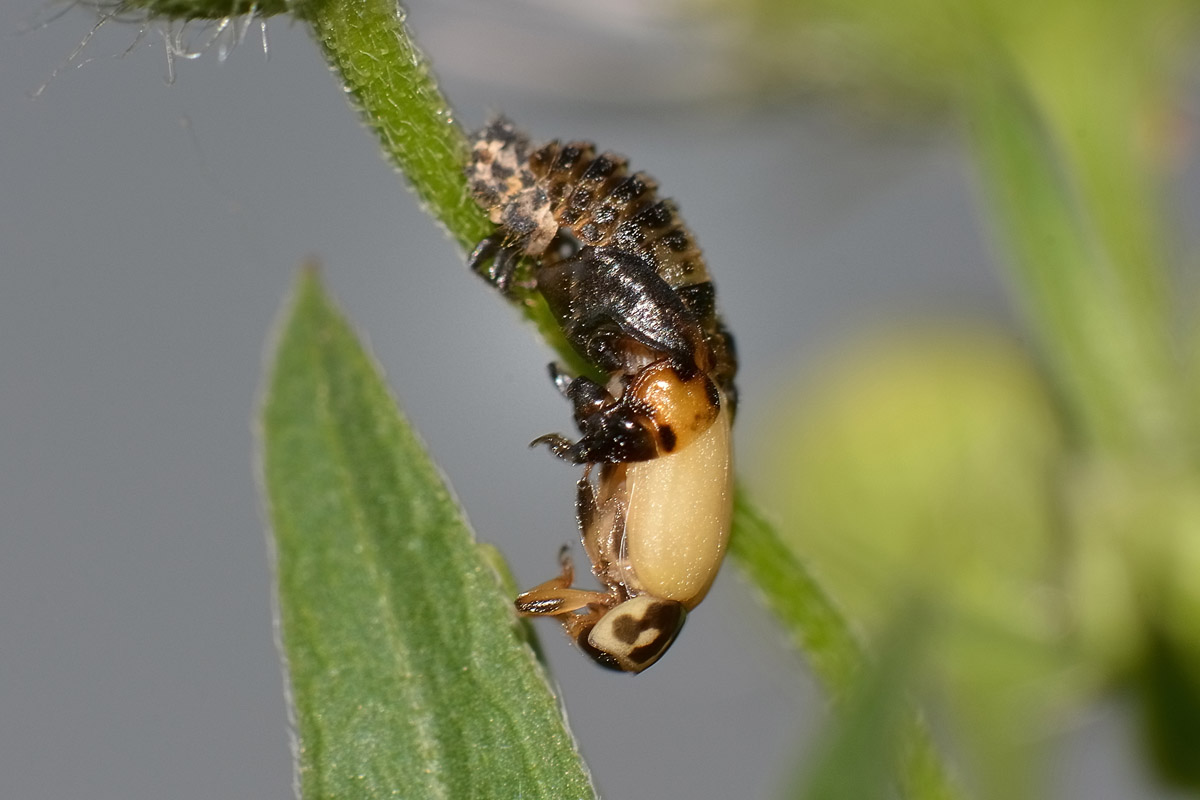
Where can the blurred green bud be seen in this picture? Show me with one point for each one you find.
(925, 464)
(924, 459)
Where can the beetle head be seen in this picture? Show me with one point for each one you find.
(634, 634)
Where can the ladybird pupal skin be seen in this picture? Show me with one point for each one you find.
(609, 302)
(612, 259)
(502, 182)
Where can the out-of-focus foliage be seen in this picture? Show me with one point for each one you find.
(923, 464)
(933, 452)
(852, 759)
(844, 666)
(1054, 514)
(898, 50)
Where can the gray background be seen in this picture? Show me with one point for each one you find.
(148, 233)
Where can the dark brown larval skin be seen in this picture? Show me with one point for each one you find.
(621, 273)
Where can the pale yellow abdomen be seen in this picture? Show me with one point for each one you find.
(679, 511)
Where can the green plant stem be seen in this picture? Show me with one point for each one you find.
(388, 80)
(386, 77)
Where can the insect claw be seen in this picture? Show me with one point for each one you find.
(483, 251)
(561, 446)
(567, 563)
(562, 381)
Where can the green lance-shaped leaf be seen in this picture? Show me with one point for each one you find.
(409, 674)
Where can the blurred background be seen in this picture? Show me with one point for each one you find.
(153, 215)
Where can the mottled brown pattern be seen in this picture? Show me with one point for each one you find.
(593, 196)
(538, 194)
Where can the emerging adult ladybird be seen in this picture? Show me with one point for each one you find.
(624, 278)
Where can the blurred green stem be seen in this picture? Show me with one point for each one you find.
(822, 632)
(1078, 220)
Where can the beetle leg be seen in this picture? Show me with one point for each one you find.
(587, 397)
(560, 445)
(578, 626)
(600, 340)
(613, 434)
(555, 596)
(547, 599)
(486, 249)
(612, 431)
(602, 524)
(504, 257)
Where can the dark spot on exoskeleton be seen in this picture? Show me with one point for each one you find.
(517, 222)
(629, 234)
(568, 157)
(656, 216)
(628, 629)
(501, 172)
(590, 234)
(581, 199)
(629, 189)
(687, 266)
(599, 169)
(665, 616)
(712, 394)
(651, 651)
(676, 241)
(527, 180)
(665, 619)
(569, 216)
(700, 298)
(485, 194)
(599, 656)
(501, 130)
(604, 215)
(556, 190)
(666, 435)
